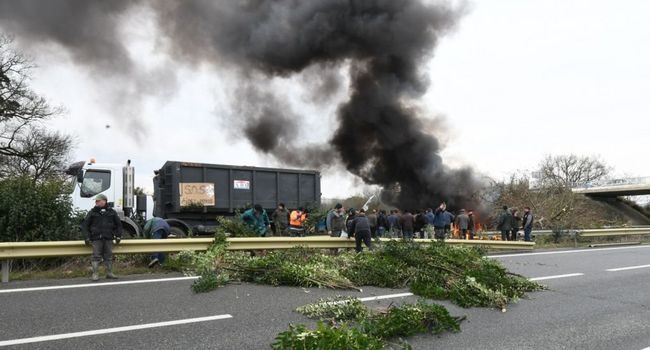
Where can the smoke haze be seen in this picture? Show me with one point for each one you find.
(380, 133)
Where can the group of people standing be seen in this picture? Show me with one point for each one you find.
(285, 222)
(510, 222)
(397, 224)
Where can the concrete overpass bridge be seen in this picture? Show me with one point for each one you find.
(616, 188)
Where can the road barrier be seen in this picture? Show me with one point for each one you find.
(22, 250)
(612, 232)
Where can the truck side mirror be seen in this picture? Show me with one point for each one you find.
(80, 176)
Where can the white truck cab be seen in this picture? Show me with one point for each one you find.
(115, 181)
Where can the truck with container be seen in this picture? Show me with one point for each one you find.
(191, 196)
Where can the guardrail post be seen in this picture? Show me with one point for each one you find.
(5, 271)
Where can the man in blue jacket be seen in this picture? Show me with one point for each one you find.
(156, 228)
(257, 220)
(440, 221)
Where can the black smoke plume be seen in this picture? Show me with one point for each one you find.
(380, 135)
(90, 32)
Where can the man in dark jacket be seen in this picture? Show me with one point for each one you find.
(372, 219)
(420, 223)
(527, 221)
(393, 224)
(280, 219)
(516, 224)
(430, 217)
(439, 221)
(407, 222)
(504, 223)
(352, 213)
(382, 223)
(101, 226)
(335, 221)
(360, 228)
(471, 224)
(462, 222)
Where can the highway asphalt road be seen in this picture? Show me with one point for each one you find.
(598, 299)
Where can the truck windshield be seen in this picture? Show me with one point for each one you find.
(95, 182)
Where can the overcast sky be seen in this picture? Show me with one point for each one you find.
(517, 80)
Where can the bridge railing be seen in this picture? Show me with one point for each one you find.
(615, 182)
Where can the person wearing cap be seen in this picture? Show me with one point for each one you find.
(257, 220)
(335, 221)
(101, 226)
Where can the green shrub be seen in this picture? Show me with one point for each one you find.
(357, 319)
(436, 270)
(326, 338)
(234, 227)
(337, 309)
(36, 211)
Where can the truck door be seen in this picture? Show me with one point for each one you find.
(95, 181)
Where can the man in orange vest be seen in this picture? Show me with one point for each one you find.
(296, 223)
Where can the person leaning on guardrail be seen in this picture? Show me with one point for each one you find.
(257, 220)
(360, 229)
(101, 226)
(156, 228)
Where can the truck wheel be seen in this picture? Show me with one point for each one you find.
(177, 232)
(129, 231)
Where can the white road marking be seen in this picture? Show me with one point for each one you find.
(628, 268)
(556, 276)
(378, 297)
(97, 284)
(389, 296)
(111, 330)
(594, 250)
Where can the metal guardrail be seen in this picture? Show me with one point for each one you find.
(20, 250)
(614, 232)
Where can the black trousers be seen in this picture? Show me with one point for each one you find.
(362, 236)
(513, 234)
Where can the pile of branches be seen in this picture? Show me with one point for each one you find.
(346, 323)
(436, 271)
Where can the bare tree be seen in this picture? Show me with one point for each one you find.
(26, 147)
(42, 155)
(567, 171)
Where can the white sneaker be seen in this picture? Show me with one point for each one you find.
(154, 262)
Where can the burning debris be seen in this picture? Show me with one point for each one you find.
(380, 133)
